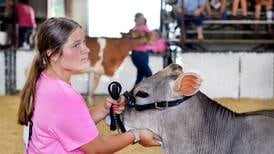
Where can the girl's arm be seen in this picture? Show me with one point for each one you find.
(111, 144)
(100, 111)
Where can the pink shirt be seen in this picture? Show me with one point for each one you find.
(61, 119)
(159, 45)
(142, 47)
(26, 16)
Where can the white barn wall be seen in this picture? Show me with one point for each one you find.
(125, 75)
(80, 82)
(79, 12)
(219, 72)
(256, 75)
(2, 74)
(23, 62)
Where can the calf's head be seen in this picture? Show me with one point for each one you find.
(158, 87)
(169, 84)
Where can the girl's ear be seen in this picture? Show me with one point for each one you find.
(52, 57)
(49, 52)
(187, 84)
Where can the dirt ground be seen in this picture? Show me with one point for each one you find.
(11, 133)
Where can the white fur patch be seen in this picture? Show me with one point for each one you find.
(173, 88)
(98, 67)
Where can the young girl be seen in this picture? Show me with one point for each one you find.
(158, 44)
(62, 123)
(140, 55)
(191, 11)
(26, 21)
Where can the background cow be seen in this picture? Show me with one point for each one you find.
(198, 124)
(107, 54)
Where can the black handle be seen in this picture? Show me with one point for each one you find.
(114, 90)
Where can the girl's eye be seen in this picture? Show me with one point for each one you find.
(76, 45)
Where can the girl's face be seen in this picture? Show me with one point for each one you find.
(74, 57)
(140, 20)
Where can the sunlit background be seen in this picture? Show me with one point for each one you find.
(112, 17)
(109, 18)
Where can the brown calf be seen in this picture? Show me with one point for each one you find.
(107, 54)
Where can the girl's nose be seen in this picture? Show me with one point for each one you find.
(86, 49)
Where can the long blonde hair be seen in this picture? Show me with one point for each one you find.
(52, 34)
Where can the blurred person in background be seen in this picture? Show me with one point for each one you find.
(26, 22)
(140, 54)
(158, 44)
(268, 4)
(235, 8)
(191, 11)
(218, 5)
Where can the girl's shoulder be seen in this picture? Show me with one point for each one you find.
(57, 88)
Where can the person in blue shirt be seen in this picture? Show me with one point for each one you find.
(193, 12)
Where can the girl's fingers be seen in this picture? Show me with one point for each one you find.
(112, 101)
(118, 106)
(119, 110)
(120, 101)
(122, 108)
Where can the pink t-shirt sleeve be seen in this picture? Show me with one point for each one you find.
(159, 45)
(73, 126)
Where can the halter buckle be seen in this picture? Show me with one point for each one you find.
(161, 108)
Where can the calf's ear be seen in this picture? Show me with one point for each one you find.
(187, 84)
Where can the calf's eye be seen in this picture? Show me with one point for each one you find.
(142, 94)
(174, 76)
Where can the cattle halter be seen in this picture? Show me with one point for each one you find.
(115, 89)
(156, 105)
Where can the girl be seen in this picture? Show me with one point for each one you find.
(62, 123)
(140, 54)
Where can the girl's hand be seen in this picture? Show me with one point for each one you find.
(118, 106)
(148, 138)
